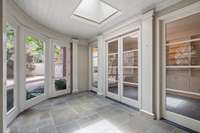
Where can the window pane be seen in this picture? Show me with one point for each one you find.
(130, 75)
(95, 67)
(113, 60)
(183, 29)
(35, 67)
(182, 95)
(130, 91)
(130, 43)
(130, 58)
(10, 49)
(130, 70)
(113, 67)
(60, 67)
(113, 73)
(183, 54)
(195, 53)
(178, 54)
(177, 79)
(194, 81)
(113, 86)
(113, 47)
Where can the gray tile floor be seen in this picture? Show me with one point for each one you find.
(86, 113)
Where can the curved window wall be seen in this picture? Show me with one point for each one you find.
(28, 64)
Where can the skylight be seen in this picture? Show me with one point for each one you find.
(95, 11)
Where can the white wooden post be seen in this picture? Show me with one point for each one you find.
(147, 63)
(101, 65)
(75, 64)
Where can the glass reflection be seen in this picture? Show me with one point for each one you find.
(130, 67)
(183, 67)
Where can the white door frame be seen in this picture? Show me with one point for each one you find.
(119, 96)
(161, 76)
(53, 92)
(24, 104)
(10, 115)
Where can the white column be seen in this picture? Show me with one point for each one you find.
(147, 63)
(101, 65)
(75, 64)
(90, 67)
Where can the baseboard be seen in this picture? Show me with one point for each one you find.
(99, 93)
(179, 126)
(93, 91)
(149, 114)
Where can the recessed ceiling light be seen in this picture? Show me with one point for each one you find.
(94, 11)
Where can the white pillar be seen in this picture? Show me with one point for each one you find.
(90, 67)
(101, 65)
(75, 64)
(147, 63)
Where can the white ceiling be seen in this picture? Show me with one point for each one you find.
(56, 14)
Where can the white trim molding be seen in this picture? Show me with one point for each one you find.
(101, 67)
(75, 64)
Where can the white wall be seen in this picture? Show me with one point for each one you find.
(83, 64)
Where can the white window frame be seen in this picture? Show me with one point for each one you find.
(24, 104)
(11, 114)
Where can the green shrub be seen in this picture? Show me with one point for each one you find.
(60, 84)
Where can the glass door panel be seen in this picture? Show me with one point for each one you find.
(60, 68)
(95, 67)
(34, 67)
(130, 67)
(182, 70)
(10, 67)
(113, 67)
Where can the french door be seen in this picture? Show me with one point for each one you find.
(123, 68)
(34, 68)
(181, 72)
(60, 69)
